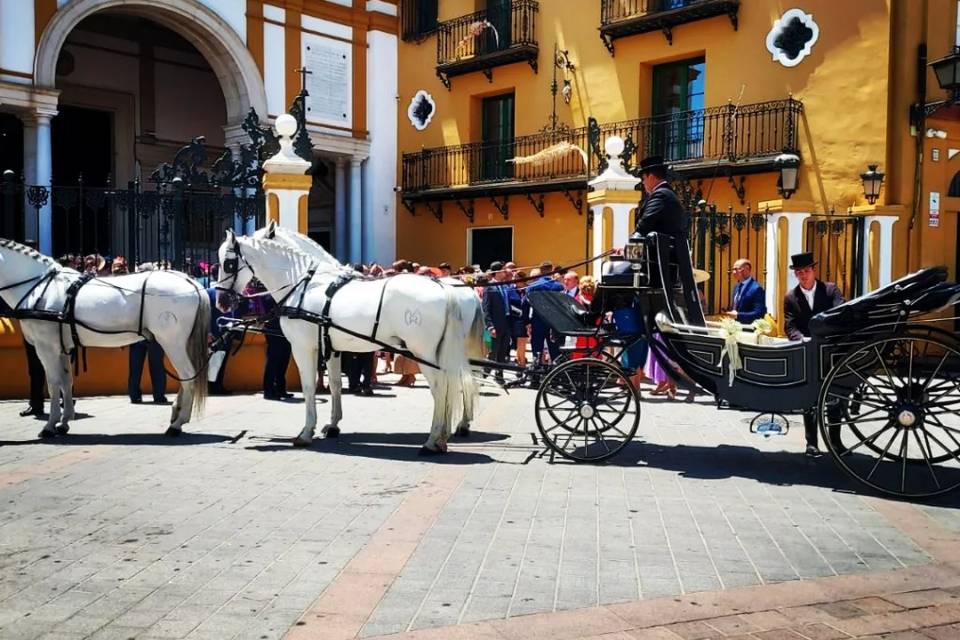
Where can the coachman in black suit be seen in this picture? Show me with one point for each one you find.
(797, 312)
(662, 212)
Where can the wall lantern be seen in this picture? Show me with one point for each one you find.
(872, 181)
(947, 70)
(789, 166)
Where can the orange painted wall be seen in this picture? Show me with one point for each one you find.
(856, 87)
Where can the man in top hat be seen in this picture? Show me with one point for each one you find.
(804, 301)
(661, 210)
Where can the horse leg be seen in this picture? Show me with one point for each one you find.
(54, 366)
(437, 442)
(332, 430)
(306, 360)
(469, 393)
(183, 404)
(66, 390)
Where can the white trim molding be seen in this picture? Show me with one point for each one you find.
(780, 26)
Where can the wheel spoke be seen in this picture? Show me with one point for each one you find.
(865, 381)
(903, 453)
(955, 453)
(935, 371)
(611, 425)
(949, 431)
(885, 369)
(861, 401)
(926, 459)
(858, 417)
(882, 455)
(867, 440)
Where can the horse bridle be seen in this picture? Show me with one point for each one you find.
(232, 267)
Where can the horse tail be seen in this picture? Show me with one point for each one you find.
(197, 350)
(475, 348)
(451, 357)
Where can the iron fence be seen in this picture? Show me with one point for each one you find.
(616, 10)
(489, 31)
(173, 222)
(720, 238)
(837, 245)
(728, 133)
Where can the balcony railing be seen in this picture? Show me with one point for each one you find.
(737, 139)
(621, 18)
(486, 39)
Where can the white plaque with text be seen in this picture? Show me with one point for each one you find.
(330, 82)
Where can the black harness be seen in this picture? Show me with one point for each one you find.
(323, 320)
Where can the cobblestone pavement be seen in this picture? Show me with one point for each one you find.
(115, 531)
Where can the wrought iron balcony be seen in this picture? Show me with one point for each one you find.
(713, 142)
(621, 18)
(486, 39)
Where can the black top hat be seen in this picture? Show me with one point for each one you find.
(652, 163)
(802, 260)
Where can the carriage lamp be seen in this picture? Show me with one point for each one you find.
(789, 166)
(872, 181)
(947, 70)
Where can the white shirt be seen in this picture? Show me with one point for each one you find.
(809, 295)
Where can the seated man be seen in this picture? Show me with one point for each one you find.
(749, 299)
(804, 301)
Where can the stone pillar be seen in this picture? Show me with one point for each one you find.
(614, 189)
(340, 247)
(356, 210)
(285, 181)
(598, 233)
(779, 262)
(38, 170)
(884, 258)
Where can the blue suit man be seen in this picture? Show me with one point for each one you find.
(749, 298)
(540, 331)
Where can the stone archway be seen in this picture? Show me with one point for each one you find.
(223, 49)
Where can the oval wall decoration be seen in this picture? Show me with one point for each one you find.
(421, 110)
(792, 37)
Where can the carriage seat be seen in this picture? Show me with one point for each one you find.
(713, 330)
(924, 291)
(563, 314)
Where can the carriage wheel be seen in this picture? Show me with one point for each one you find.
(587, 410)
(889, 413)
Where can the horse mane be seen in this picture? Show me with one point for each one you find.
(323, 253)
(286, 250)
(29, 252)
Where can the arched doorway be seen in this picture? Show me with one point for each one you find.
(138, 81)
(216, 41)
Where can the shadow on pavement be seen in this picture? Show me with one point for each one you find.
(127, 439)
(783, 468)
(385, 446)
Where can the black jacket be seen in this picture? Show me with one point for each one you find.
(797, 313)
(661, 211)
(496, 308)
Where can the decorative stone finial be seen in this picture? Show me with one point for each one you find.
(615, 176)
(286, 160)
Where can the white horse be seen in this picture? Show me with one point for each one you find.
(165, 306)
(470, 310)
(415, 314)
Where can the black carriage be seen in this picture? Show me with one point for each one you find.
(881, 374)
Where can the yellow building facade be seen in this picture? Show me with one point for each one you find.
(719, 87)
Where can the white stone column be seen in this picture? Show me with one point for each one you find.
(30, 227)
(621, 223)
(776, 263)
(598, 233)
(340, 246)
(44, 177)
(885, 250)
(356, 210)
(286, 183)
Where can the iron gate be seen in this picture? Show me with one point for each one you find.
(836, 243)
(177, 217)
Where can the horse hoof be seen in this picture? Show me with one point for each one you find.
(331, 432)
(301, 443)
(63, 429)
(173, 433)
(427, 451)
(463, 432)
(47, 434)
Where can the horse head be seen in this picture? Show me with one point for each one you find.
(235, 273)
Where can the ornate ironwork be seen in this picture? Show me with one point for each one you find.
(187, 165)
(537, 203)
(436, 208)
(466, 209)
(577, 201)
(739, 189)
(504, 208)
(621, 18)
(593, 139)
